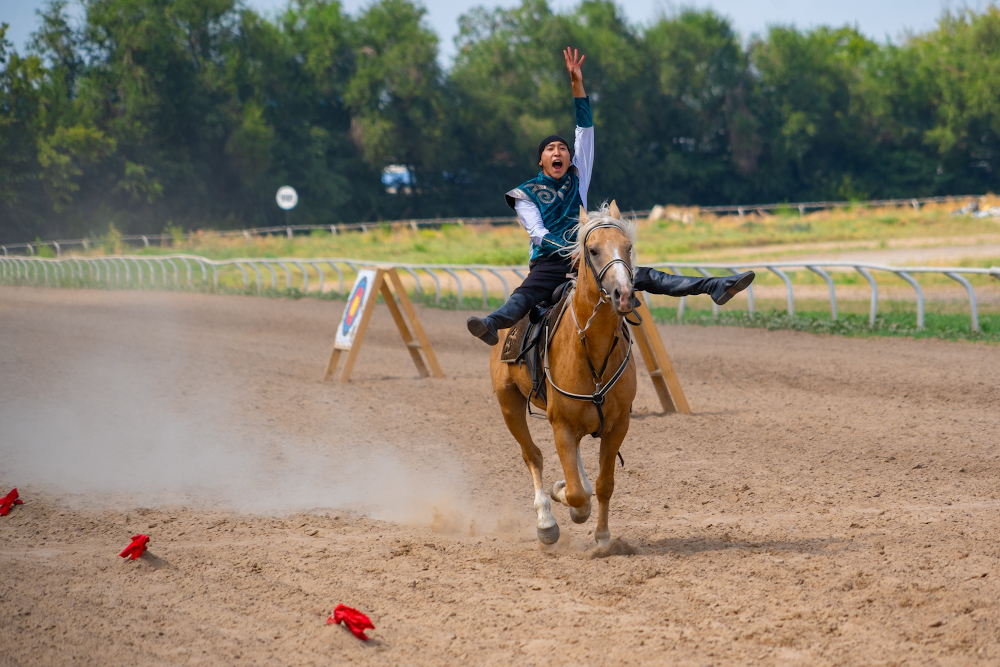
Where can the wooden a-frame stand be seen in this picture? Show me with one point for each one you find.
(381, 285)
(661, 371)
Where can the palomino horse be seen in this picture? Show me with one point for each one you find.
(590, 375)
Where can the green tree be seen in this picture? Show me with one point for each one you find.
(702, 112)
(396, 97)
(191, 113)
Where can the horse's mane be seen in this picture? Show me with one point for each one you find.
(602, 216)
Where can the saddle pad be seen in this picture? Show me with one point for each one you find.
(513, 343)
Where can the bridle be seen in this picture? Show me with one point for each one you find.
(600, 387)
(599, 275)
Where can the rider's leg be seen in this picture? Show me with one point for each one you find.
(720, 289)
(486, 328)
(545, 275)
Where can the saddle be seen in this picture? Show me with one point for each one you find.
(524, 343)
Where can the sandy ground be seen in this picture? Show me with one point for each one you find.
(831, 501)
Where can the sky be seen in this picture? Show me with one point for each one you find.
(879, 19)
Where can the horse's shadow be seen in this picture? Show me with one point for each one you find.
(693, 545)
(639, 416)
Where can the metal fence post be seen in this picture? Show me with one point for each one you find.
(239, 265)
(736, 272)
(458, 284)
(788, 286)
(416, 279)
(340, 277)
(972, 297)
(253, 265)
(152, 273)
(829, 283)
(920, 296)
(288, 275)
(274, 275)
(322, 278)
(437, 285)
(503, 281)
(871, 281)
(482, 283)
(715, 306)
(305, 277)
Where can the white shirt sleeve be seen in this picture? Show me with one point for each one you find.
(583, 159)
(531, 219)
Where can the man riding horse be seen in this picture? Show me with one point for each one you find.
(548, 208)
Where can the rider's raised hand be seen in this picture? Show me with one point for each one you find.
(574, 65)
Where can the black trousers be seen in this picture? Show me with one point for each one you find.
(544, 276)
(548, 273)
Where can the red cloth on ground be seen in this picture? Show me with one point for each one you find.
(9, 501)
(135, 549)
(355, 621)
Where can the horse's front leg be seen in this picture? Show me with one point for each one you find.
(558, 492)
(512, 404)
(575, 490)
(610, 442)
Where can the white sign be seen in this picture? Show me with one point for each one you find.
(287, 197)
(356, 303)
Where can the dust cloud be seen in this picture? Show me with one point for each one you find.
(119, 432)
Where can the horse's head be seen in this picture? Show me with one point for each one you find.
(606, 246)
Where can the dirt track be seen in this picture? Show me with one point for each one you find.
(832, 501)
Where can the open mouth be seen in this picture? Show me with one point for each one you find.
(557, 164)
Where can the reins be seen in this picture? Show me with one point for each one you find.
(601, 389)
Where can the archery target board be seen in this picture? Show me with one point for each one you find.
(357, 301)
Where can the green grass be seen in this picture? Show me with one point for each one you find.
(896, 324)
(728, 238)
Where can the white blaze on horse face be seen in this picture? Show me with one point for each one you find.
(623, 281)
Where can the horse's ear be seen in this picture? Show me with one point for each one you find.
(583, 216)
(613, 210)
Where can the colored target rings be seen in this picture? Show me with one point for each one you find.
(354, 304)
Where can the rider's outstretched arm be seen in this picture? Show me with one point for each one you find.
(583, 150)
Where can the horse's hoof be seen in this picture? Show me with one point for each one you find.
(548, 535)
(580, 514)
(603, 538)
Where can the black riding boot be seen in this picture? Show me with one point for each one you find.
(509, 314)
(720, 289)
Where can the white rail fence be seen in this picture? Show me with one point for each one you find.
(194, 272)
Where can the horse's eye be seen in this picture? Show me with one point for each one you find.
(593, 251)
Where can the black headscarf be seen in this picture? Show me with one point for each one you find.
(548, 140)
